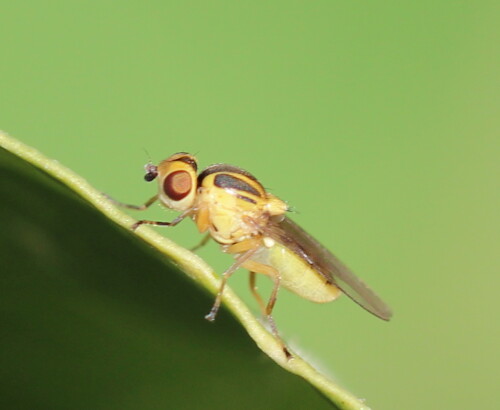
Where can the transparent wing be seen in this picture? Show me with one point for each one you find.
(332, 269)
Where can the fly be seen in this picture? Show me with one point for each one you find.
(232, 207)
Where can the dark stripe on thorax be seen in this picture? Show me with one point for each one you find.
(212, 169)
(246, 198)
(232, 182)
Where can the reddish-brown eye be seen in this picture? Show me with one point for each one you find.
(177, 185)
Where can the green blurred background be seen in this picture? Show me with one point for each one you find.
(377, 121)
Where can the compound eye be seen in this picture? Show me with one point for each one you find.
(177, 185)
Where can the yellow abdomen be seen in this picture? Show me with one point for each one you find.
(296, 274)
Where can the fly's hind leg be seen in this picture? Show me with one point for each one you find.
(256, 267)
(255, 293)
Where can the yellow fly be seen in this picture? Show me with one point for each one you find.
(235, 210)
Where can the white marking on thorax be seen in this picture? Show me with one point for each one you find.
(268, 242)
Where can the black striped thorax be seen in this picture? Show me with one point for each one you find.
(235, 181)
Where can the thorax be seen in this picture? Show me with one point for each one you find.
(233, 206)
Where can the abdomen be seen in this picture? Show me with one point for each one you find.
(296, 274)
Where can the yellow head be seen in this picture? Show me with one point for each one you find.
(176, 180)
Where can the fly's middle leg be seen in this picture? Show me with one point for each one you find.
(245, 250)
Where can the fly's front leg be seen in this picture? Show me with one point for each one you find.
(142, 207)
(162, 223)
(245, 249)
(145, 206)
